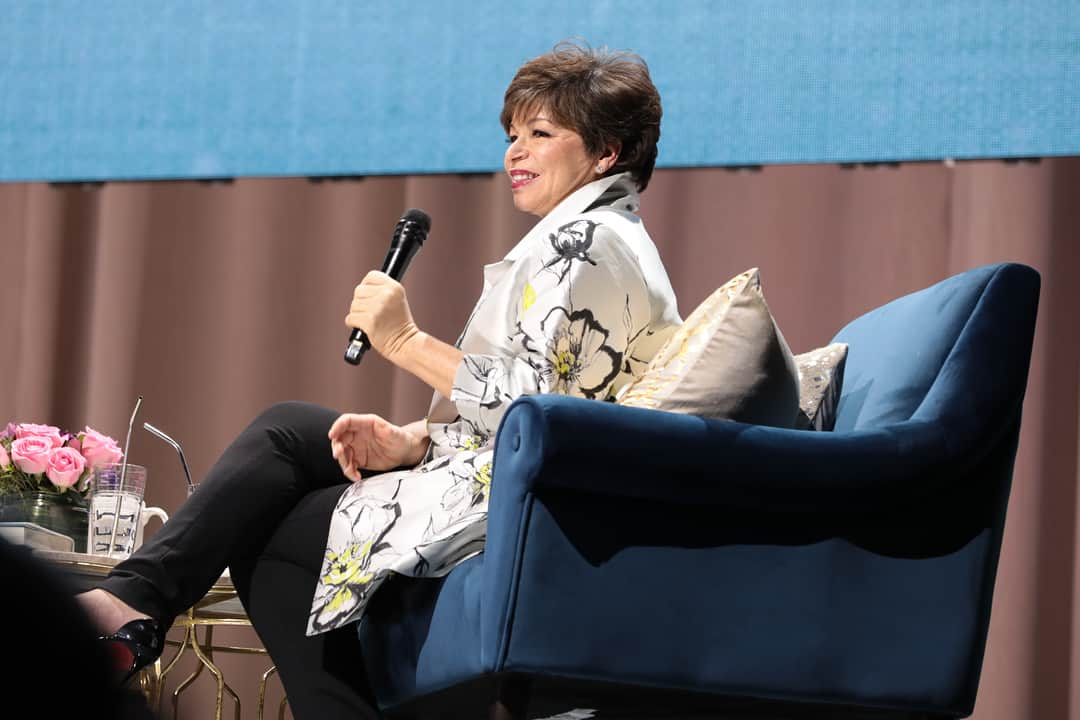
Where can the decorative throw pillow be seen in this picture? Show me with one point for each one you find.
(728, 360)
(821, 377)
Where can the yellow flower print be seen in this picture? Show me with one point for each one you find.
(340, 599)
(482, 482)
(346, 566)
(528, 297)
(564, 359)
(346, 569)
(472, 442)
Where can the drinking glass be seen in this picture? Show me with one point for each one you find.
(107, 496)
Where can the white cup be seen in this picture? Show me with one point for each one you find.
(107, 495)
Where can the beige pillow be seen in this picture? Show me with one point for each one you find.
(728, 360)
(821, 377)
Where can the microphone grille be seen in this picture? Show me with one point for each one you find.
(419, 217)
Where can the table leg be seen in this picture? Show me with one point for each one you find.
(183, 686)
(153, 687)
(262, 689)
(206, 658)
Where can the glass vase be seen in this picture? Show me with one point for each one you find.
(65, 513)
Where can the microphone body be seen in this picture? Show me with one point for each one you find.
(409, 235)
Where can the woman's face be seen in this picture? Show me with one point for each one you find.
(545, 162)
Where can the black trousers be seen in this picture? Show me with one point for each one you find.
(264, 512)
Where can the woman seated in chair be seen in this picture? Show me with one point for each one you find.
(311, 510)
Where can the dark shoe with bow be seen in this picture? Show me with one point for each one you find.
(134, 646)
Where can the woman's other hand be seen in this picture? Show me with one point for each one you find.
(371, 442)
(381, 309)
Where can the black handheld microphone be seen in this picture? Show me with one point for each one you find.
(409, 234)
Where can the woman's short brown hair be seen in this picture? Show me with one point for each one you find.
(606, 97)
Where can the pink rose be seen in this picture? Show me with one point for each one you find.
(98, 449)
(4, 459)
(65, 466)
(52, 434)
(31, 454)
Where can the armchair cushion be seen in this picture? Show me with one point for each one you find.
(728, 360)
(821, 377)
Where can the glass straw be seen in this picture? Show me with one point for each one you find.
(123, 476)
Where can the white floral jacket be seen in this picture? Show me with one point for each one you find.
(578, 307)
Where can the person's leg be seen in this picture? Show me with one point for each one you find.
(283, 455)
(324, 674)
(53, 664)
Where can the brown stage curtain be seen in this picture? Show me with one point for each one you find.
(215, 300)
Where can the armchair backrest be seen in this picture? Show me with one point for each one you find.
(959, 349)
(953, 359)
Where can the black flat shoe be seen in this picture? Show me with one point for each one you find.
(134, 646)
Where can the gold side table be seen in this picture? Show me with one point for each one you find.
(219, 607)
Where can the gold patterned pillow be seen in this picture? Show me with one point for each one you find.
(821, 376)
(727, 360)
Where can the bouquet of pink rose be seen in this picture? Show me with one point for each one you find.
(42, 457)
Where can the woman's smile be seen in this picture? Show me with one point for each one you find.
(521, 178)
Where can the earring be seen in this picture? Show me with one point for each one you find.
(600, 168)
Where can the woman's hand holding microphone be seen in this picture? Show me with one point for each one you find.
(381, 309)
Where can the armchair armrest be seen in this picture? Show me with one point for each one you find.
(550, 569)
(594, 448)
(601, 448)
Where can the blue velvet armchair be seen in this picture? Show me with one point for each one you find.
(647, 564)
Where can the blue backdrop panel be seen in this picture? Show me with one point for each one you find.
(201, 88)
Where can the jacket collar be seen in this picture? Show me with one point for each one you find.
(618, 190)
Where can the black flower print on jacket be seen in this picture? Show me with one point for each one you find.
(578, 360)
(571, 242)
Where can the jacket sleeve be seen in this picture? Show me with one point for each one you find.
(578, 315)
